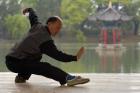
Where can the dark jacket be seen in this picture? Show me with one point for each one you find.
(38, 41)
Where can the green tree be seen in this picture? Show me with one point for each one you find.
(47, 8)
(7, 7)
(44, 8)
(133, 10)
(106, 2)
(16, 25)
(74, 12)
(28, 3)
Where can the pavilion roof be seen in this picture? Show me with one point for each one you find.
(110, 14)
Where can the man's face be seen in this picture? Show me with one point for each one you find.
(55, 27)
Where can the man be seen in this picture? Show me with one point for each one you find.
(25, 56)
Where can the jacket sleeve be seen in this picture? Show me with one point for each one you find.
(50, 49)
(33, 18)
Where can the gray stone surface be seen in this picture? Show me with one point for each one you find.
(99, 83)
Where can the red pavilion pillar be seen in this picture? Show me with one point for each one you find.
(119, 36)
(105, 36)
(114, 37)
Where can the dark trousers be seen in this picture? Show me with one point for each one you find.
(25, 68)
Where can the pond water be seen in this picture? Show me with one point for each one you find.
(111, 61)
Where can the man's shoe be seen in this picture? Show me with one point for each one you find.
(20, 79)
(77, 80)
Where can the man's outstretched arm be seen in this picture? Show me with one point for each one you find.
(50, 49)
(32, 16)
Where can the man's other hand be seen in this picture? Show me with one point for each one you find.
(26, 10)
(80, 53)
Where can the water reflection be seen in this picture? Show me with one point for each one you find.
(110, 59)
(115, 61)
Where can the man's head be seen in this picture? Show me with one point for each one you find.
(54, 24)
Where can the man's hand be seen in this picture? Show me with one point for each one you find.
(26, 10)
(80, 53)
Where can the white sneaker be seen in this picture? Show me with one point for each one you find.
(77, 80)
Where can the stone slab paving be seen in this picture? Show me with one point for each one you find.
(99, 83)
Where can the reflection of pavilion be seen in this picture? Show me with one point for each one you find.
(109, 21)
(110, 61)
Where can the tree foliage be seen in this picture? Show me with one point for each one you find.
(7, 7)
(75, 11)
(16, 25)
(106, 2)
(47, 8)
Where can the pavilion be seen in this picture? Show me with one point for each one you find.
(109, 21)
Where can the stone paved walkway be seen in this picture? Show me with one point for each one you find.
(99, 83)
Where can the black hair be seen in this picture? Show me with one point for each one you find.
(52, 19)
